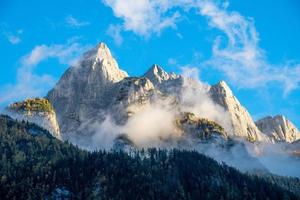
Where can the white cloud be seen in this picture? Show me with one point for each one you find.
(13, 38)
(28, 82)
(172, 61)
(65, 53)
(239, 56)
(236, 52)
(179, 35)
(114, 31)
(144, 17)
(148, 122)
(73, 22)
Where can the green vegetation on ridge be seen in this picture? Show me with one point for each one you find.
(36, 104)
(201, 127)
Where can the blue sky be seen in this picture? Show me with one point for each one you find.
(253, 45)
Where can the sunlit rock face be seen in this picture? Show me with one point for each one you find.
(278, 128)
(85, 90)
(134, 89)
(96, 88)
(157, 75)
(38, 111)
(242, 123)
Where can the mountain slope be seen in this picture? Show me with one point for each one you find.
(86, 89)
(38, 166)
(242, 123)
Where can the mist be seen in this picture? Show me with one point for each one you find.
(196, 99)
(154, 125)
(276, 159)
(151, 126)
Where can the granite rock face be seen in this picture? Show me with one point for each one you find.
(242, 123)
(85, 90)
(278, 128)
(157, 75)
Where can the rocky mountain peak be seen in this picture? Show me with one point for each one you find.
(99, 52)
(278, 128)
(222, 88)
(96, 88)
(242, 122)
(86, 87)
(103, 52)
(100, 61)
(107, 65)
(157, 74)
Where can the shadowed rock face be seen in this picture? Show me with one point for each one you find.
(38, 111)
(242, 123)
(278, 128)
(157, 75)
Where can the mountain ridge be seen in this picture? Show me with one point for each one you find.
(96, 87)
(279, 128)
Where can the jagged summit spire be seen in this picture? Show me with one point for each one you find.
(222, 88)
(103, 52)
(222, 83)
(99, 59)
(242, 122)
(102, 45)
(158, 70)
(157, 74)
(156, 67)
(99, 53)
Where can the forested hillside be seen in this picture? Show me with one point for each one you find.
(34, 165)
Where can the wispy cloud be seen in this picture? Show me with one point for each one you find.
(235, 53)
(13, 37)
(114, 31)
(65, 53)
(28, 84)
(172, 61)
(73, 22)
(239, 56)
(31, 84)
(143, 17)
